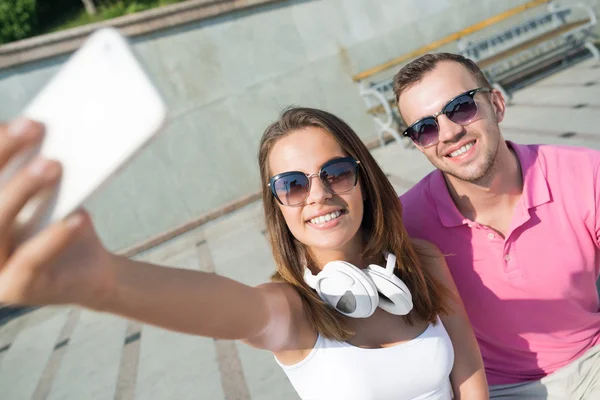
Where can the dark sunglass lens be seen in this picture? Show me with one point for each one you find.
(292, 189)
(425, 132)
(461, 110)
(339, 177)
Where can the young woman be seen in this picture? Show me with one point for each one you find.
(356, 309)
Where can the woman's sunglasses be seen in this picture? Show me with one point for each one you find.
(292, 188)
(461, 110)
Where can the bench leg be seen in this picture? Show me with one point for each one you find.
(381, 133)
(383, 128)
(396, 136)
(593, 49)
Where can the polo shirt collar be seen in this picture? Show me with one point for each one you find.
(535, 187)
(535, 183)
(447, 211)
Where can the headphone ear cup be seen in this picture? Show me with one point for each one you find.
(347, 289)
(395, 296)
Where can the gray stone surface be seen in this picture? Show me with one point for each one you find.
(176, 366)
(226, 78)
(26, 358)
(90, 366)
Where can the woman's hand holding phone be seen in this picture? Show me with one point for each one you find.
(65, 262)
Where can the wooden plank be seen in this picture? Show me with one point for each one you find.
(554, 62)
(448, 39)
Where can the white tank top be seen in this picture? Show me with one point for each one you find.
(417, 370)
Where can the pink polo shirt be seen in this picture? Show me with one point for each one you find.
(531, 297)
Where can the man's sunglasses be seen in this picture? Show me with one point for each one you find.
(292, 188)
(461, 110)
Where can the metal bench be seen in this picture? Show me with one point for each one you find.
(380, 100)
(531, 49)
(517, 55)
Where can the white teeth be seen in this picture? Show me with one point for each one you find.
(461, 150)
(325, 218)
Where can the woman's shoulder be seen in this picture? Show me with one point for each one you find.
(283, 295)
(297, 333)
(433, 260)
(284, 299)
(425, 248)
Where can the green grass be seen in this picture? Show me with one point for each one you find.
(117, 9)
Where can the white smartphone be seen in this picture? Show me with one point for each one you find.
(99, 110)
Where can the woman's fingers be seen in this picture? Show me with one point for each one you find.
(16, 136)
(29, 181)
(18, 184)
(28, 277)
(44, 268)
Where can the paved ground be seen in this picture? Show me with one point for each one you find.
(70, 354)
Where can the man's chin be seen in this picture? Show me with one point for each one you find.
(475, 175)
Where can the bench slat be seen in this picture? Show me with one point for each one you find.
(518, 51)
(530, 43)
(448, 39)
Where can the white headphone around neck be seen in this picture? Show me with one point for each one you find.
(357, 292)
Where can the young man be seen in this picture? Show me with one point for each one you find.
(520, 226)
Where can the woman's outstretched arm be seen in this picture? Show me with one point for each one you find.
(67, 264)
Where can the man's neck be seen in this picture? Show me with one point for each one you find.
(494, 194)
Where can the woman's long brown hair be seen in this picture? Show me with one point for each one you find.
(382, 226)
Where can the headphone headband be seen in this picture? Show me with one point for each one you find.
(309, 278)
(355, 292)
(391, 263)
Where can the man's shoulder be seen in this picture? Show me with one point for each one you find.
(561, 166)
(554, 152)
(418, 206)
(419, 192)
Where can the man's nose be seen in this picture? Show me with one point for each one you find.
(448, 130)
